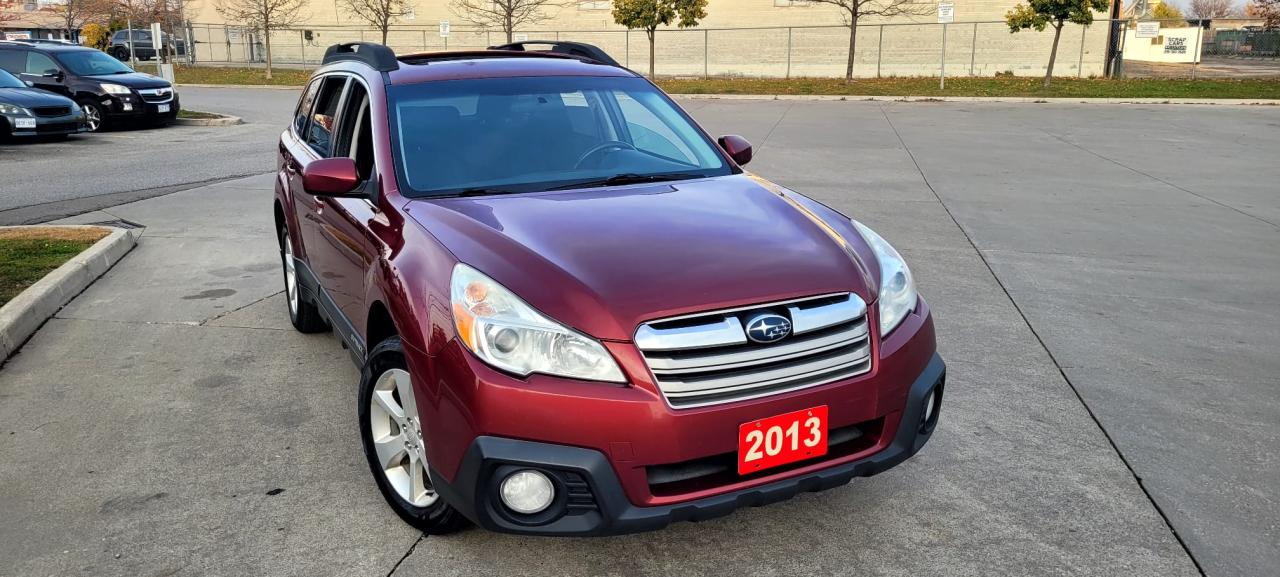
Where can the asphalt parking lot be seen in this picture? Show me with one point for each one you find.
(1104, 281)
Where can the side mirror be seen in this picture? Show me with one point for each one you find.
(330, 177)
(737, 147)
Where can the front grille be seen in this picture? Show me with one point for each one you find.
(160, 95)
(706, 359)
(48, 111)
(57, 127)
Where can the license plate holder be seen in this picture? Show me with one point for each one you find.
(782, 439)
(162, 108)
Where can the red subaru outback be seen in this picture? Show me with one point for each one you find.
(574, 312)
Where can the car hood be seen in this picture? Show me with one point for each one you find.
(605, 260)
(30, 97)
(133, 80)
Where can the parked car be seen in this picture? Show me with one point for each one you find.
(26, 111)
(574, 312)
(107, 90)
(144, 45)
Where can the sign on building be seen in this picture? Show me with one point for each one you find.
(946, 13)
(444, 28)
(1149, 29)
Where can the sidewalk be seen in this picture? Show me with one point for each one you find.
(170, 421)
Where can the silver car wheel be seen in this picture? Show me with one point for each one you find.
(290, 276)
(397, 438)
(92, 119)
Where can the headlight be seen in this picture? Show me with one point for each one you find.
(11, 109)
(897, 295)
(114, 88)
(507, 333)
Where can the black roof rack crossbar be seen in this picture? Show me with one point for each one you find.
(577, 49)
(378, 56)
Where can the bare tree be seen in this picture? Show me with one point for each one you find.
(852, 10)
(75, 13)
(380, 14)
(264, 16)
(1267, 10)
(1210, 9)
(506, 15)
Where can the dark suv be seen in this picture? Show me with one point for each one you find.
(144, 46)
(107, 90)
(574, 312)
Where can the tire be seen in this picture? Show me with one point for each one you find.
(121, 53)
(95, 116)
(405, 483)
(303, 313)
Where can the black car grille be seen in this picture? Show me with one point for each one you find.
(57, 127)
(47, 111)
(158, 95)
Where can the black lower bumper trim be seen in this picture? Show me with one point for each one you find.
(614, 513)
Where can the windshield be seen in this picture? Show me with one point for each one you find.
(92, 63)
(541, 133)
(8, 81)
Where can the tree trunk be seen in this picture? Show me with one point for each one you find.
(853, 44)
(510, 29)
(266, 34)
(650, 33)
(385, 27)
(1057, 33)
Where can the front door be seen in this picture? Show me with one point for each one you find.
(43, 73)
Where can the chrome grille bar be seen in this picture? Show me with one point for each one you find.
(706, 358)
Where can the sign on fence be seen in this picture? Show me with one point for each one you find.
(946, 13)
(1149, 29)
(444, 28)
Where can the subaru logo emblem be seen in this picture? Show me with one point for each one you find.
(768, 328)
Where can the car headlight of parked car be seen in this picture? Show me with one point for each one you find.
(114, 88)
(897, 295)
(509, 334)
(14, 110)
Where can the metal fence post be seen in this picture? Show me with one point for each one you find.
(1195, 62)
(1080, 64)
(879, 50)
(706, 54)
(973, 49)
(424, 39)
(627, 35)
(942, 70)
(789, 29)
(302, 43)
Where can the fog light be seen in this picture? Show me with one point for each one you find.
(929, 406)
(527, 492)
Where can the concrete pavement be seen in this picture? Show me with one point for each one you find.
(146, 429)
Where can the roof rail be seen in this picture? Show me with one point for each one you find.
(577, 49)
(378, 56)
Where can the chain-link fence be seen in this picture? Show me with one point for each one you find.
(881, 50)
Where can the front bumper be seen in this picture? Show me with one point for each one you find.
(28, 126)
(132, 107)
(592, 500)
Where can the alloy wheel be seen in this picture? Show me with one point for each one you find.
(397, 438)
(290, 276)
(92, 118)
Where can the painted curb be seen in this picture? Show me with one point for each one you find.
(856, 98)
(225, 120)
(1014, 99)
(22, 316)
(265, 86)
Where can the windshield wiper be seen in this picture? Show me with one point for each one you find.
(483, 192)
(629, 178)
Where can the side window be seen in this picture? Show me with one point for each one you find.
(140, 36)
(13, 61)
(354, 139)
(303, 112)
(324, 117)
(38, 64)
